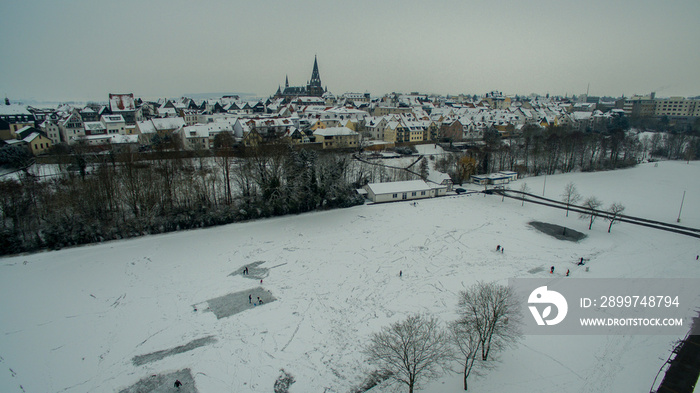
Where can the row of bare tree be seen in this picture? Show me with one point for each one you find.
(124, 196)
(561, 149)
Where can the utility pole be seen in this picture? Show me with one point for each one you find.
(545, 182)
(681, 209)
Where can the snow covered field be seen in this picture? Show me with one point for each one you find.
(74, 320)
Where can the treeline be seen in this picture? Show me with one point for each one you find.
(561, 149)
(122, 196)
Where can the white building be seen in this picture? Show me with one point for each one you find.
(114, 124)
(403, 191)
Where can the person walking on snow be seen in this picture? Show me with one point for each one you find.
(178, 384)
(551, 270)
(567, 272)
(498, 247)
(250, 298)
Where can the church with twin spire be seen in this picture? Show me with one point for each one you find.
(312, 89)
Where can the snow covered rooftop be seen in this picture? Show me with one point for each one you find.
(14, 109)
(31, 137)
(112, 119)
(398, 187)
(334, 131)
(122, 102)
(168, 123)
(94, 126)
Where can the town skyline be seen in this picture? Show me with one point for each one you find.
(83, 50)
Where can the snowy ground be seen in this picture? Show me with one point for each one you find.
(74, 320)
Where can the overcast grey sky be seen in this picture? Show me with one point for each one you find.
(61, 50)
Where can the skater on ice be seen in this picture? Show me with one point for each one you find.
(551, 270)
(498, 247)
(250, 298)
(178, 384)
(580, 262)
(567, 272)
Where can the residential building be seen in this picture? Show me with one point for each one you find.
(124, 105)
(390, 110)
(375, 127)
(52, 131)
(357, 97)
(17, 117)
(640, 106)
(337, 138)
(71, 127)
(194, 137)
(162, 127)
(677, 107)
(35, 140)
(114, 124)
(94, 128)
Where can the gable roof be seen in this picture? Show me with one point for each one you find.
(398, 187)
(122, 102)
(334, 131)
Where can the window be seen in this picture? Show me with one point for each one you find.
(395, 196)
(422, 192)
(413, 193)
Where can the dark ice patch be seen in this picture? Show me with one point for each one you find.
(158, 355)
(233, 303)
(557, 231)
(536, 270)
(254, 271)
(164, 383)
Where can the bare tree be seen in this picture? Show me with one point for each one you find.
(524, 189)
(570, 196)
(615, 210)
(590, 204)
(490, 308)
(413, 349)
(466, 339)
(223, 143)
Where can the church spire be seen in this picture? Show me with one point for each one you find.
(315, 76)
(286, 81)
